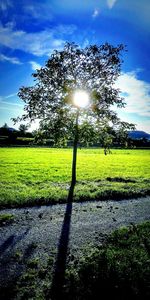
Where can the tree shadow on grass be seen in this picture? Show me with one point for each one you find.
(11, 241)
(60, 265)
(6, 244)
(11, 265)
(13, 271)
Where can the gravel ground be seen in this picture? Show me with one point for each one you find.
(37, 231)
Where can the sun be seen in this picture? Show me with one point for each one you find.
(81, 98)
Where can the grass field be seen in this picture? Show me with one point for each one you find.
(42, 175)
(117, 269)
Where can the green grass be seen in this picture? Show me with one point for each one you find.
(120, 268)
(42, 175)
(6, 219)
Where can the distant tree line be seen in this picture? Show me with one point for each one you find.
(11, 136)
(106, 137)
(5, 130)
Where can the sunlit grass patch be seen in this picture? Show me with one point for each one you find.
(42, 175)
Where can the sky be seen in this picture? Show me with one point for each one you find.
(31, 29)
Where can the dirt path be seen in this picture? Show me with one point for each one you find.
(38, 231)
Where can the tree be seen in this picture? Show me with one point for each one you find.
(23, 128)
(106, 139)
(5, 126)
(4, 130)
(93, 69)
(38, 138)
(121, 136)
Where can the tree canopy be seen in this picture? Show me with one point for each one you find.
(23, 128)
(93, 69)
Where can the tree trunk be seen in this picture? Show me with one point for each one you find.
(75, 146)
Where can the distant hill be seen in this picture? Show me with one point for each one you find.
(136, 135)
(5, 130)
(12, 129)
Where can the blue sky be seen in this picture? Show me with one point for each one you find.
(31, 29)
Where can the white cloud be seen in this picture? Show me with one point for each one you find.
(111, 3)
(85, 43)
(13, 60)
(11, 95)
(144, 125)
(5, 103)
(8, 104)
(37, 43)
(39, 12)
(136, 93)
(5, 4)
(34, 65)
(95, 13)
